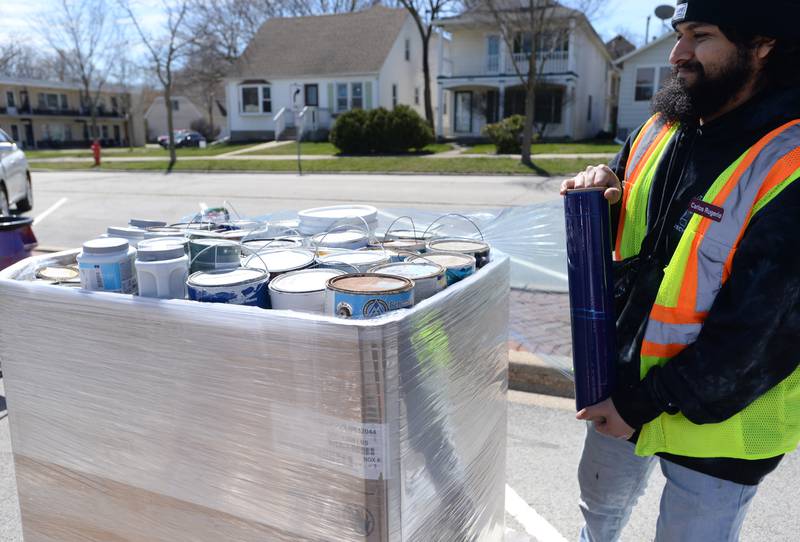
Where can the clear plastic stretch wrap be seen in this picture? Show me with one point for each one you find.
(149, 420)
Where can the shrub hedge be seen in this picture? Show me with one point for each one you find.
(380, 131)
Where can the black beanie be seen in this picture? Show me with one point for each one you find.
(769, 18)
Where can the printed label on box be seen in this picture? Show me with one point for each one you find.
(359, 447)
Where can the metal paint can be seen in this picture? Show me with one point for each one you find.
(354, 261)
(301, 290)
(591, 294)
(235, 286)
(477, 249)
(348, 239)
(429, 278)
(278, 262)
(367, 295)
(59, 274)
(457, 266)
(409, 235)
(203, 226)
(131, 235)
(166, 241)
(258, 245)
(145, 224)
(408, 246)
(163, 231)
(209, 254)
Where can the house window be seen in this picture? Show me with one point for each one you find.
(523, 44)
(664, 75)
(394, 95)
(250, 100)
(493, 54)
(357, 100)
(15, 133)
(266, 99)
(408, 50)
(10, 98)
(114, 104)
(62, 99)
(341, 97)
(48, 101)
(175, 104)
(416, 95)
(67, 132)
(645, 84)
(105, 132)
(589, 113)
(312, 95)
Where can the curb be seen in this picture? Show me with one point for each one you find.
(528, 372)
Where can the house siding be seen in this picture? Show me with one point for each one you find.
(593, 68)
(632, 113)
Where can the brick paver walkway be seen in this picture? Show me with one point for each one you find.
(539, 323)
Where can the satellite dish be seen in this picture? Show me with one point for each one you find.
(665, 12)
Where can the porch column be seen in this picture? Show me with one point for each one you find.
(501, 99)
(439, 112)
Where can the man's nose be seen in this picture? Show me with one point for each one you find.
(682, 52)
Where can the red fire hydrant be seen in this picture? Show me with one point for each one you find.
(96, 152)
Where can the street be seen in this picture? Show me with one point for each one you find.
(544, 439)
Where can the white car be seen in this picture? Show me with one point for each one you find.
(15, 179)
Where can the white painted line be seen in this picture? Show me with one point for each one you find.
(539, 268)
(534, 524)
(49, 210)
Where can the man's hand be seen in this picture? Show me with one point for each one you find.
(607, 420)
(595, 176)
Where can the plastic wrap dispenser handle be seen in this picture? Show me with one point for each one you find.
(591, 295)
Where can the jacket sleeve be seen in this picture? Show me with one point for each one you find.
(748, 343)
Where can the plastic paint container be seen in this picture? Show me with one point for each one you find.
(59, 274)
(279, 261)
(144, 223)
(166, 241)
(210, 254)
(367, 295)
(478, 249)
(354, 261)
(132, 235)
(235, 286)
(349, 239)
(162, 270)
(106, 264)
(322, 219)
(301, 290)
(429, 278)
(457, 266)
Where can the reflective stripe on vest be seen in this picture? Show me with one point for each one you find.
(647, 151)
(697, 270)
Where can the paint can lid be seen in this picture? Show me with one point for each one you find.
(338, 237)
(230, 277)
(105, 245)
(125, 231)
(445, 259)
(57, 273)
(144, 223)
(279, 261)
(355, 257)
(370, 283)
(164, 241)
(410, 270)
(458, 245)
(306, 280)
(160, 253)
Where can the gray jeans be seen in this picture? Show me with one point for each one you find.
(694, 507)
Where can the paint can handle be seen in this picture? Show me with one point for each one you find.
(458, 215)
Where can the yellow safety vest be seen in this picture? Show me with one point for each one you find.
(701, 264)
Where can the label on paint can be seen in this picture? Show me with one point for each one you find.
(109, 277)
(365, 296)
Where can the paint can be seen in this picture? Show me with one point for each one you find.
(409, 235)
(322, 219)
(429, 278)
(131, 235)
(59, 274)
(208, 254)
(302, 290)
(477, 249)
(162, 269)
(457, 266)
(367, 295)
(203, 226)
(407, 246)
(348, 239)
(106, 264)
(278, 262)
(246, 225)
(353, 261)
(166, 241)
(591, 294)
(163, 231)
(238, 286)
(257, 245)
(144, 224)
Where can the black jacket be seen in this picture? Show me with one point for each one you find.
(751, 338)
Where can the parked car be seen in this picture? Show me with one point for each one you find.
(183, 138)
(15, 179)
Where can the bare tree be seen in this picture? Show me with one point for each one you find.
(425, 14)
(87, 42)
(8, 53)
(166, 51)
(534, 30)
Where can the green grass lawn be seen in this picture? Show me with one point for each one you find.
(326, 148)
(377, 164)
(138, 151)
(578, 147)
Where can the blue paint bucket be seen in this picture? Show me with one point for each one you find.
(16, 239)
(242, 286)
(362, 296)
(591, 294)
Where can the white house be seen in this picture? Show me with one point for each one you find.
(644, 72)
(302, 72)
(184, 112)
(480, 84)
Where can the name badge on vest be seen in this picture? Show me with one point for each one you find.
(707, 210)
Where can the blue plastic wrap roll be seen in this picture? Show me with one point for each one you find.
(591, 294)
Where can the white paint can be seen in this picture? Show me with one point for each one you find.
(429, 278)
(301, 290)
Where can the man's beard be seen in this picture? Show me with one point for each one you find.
(681, 102)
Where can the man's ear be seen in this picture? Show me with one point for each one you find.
(764, 47)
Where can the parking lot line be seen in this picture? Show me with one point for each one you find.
(534, 524)
(49, 210)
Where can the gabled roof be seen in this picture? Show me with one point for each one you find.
(659, 41)
(322, 45)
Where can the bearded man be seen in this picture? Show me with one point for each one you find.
(706, 206)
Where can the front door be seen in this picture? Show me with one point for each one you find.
(28, 135)
(463, 113)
